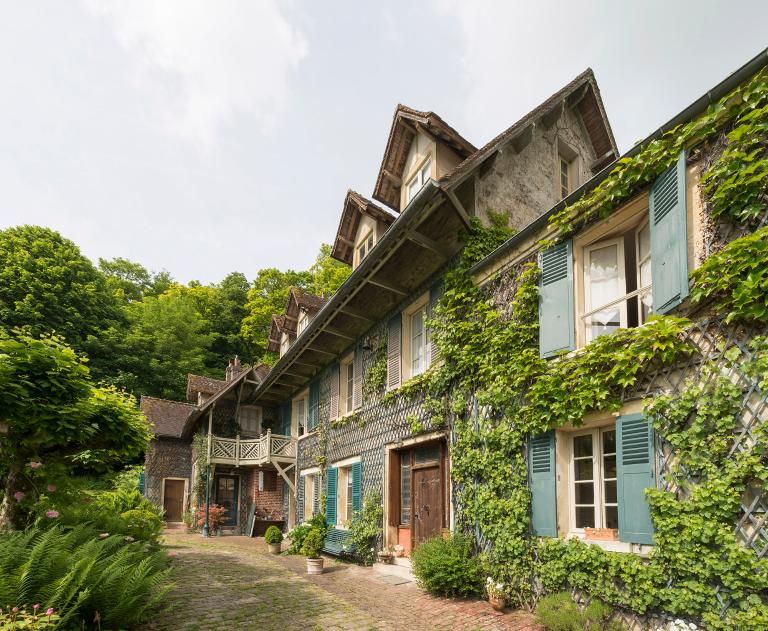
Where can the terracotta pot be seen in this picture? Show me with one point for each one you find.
(315, 566)
(601, 534)
(497, 602)
(274, 548)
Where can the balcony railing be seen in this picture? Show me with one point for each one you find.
(257, 451)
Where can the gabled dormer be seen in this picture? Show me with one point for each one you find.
(300, 308)
(421, 146)
(361, 226)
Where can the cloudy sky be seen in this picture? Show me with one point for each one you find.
(204, 137)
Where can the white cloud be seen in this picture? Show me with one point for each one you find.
(205, 62)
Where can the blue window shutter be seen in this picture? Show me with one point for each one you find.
(541, 466)
(669, 238)
(141, 482)
(394, 333)
(635, 473)
(434, 296)
(356, 482)
(556, 318)
(314, 404)
(300, 499)
(331, 478)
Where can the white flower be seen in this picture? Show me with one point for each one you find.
(489, 580)
(499, 586)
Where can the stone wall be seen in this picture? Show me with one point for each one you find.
(166, 458)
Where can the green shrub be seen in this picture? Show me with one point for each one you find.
(273, 535)
(447, 567)
(300, 532)
(365, 529)
(313, 543)
(80, 574)
(558, 612)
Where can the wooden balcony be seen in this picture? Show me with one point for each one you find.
(268, 449)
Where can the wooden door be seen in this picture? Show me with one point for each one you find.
(427, 507)
(173, 499)
(227, 495)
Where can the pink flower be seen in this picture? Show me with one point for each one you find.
(36, 606)
(49, 612)
(15, 610)
(19, 495)
(51, 488)
(35, 465)
(51, 514)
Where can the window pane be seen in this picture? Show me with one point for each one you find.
(609, 441)
(644, 242)
(405, 490)
(417, 342)
(349, 494)
(370, 243)
(585, 493)
(350, 386)
(604, 286)
(583, 469)
(611, 517)
(582, 446)
(425, 172)
(430, 453)
(610, 492)
(585, 517)
(609, 467)
(413, 187)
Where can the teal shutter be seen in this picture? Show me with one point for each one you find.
(556, 323)
(669, 238)
(434, 297)
(285, 419)
(300, 499)
(356, 482)
(314, 404)
(541, 465)
(332, 475)
(316, 496)
(635, 473)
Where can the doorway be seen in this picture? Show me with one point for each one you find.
(227, 495)
(173, 499)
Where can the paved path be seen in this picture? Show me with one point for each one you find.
(233, 583)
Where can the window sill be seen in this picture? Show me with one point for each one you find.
(613, 546)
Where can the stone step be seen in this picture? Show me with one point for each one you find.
(395, 569)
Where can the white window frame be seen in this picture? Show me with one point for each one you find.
(302, 322)
(364, 246)
(347, 386)
(642, 290)
(589, 308)
(344, 466)
(309, 498)
(297, 420)
(285, 343)
(258, 418)
(406, 355)
(568, 188)
(416, 182)
(598, 477)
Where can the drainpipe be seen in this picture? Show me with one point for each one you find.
(208, 473)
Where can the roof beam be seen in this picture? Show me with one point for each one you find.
(337, 333)
(553, 115)
(354, 313)
(523, 139)
(429, 244)
(385, 284)
(575, 98)
(397, 181)
(320, 350)
(458, 206)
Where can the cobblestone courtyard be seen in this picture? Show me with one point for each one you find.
(233, 583)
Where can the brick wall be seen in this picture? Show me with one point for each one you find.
(269, 504)
(166, 458)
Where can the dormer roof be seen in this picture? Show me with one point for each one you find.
(355, 206)
(298, 300)
(276, 330)
(583, 95)
(406, 123)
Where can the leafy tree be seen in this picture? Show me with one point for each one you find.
(132, 281)
(47, 285)
(327, 274)
(56, 417)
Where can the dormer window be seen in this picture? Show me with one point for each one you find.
(364, 249)
(417, 182)
(303, 322)
(567, 173)
(285, 344)
(565, 177)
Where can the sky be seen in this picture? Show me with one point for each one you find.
(204, 137)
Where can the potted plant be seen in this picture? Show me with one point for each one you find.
(273, 537)
(497, 597)
(313, 544)
(217, 515)
(386, 555)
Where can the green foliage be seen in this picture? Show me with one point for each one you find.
(58, 418)
(81, 575)
(736, 278)
(300, 532)
(448, 567)
(273, 535)
(313, 543)
(376, 374)
(131, 281)
(558, 612)
(365, 529)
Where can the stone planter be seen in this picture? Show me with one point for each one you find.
(274, 548)
(497, 602)
(315, 566)
(386, 557)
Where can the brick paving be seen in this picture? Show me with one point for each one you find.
(233, 583)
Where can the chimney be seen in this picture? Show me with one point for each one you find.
(234, 368)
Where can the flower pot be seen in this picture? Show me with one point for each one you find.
(497, 602)
(315, 566)
(386, 557)
(601, 534)
(274, 548)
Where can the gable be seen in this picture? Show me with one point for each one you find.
(356, 209)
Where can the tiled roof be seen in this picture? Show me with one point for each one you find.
(206, 385)
(262, 370)
(168, 417)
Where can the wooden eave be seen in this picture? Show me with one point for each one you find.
(355, 206)
(420, 241)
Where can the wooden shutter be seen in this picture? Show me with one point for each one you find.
(316, 486)
(635, 473)
(300, 499)
(357, 387)
(541, 465)
(314, 404)
(395, 331)
(331, 478)
(669, 238)
(334, 396)
(556, 318)
(393, 489)
(357, 481)
(434, 296)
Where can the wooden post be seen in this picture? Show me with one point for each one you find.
(237, 451)
(206, 533)
(269, 444)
